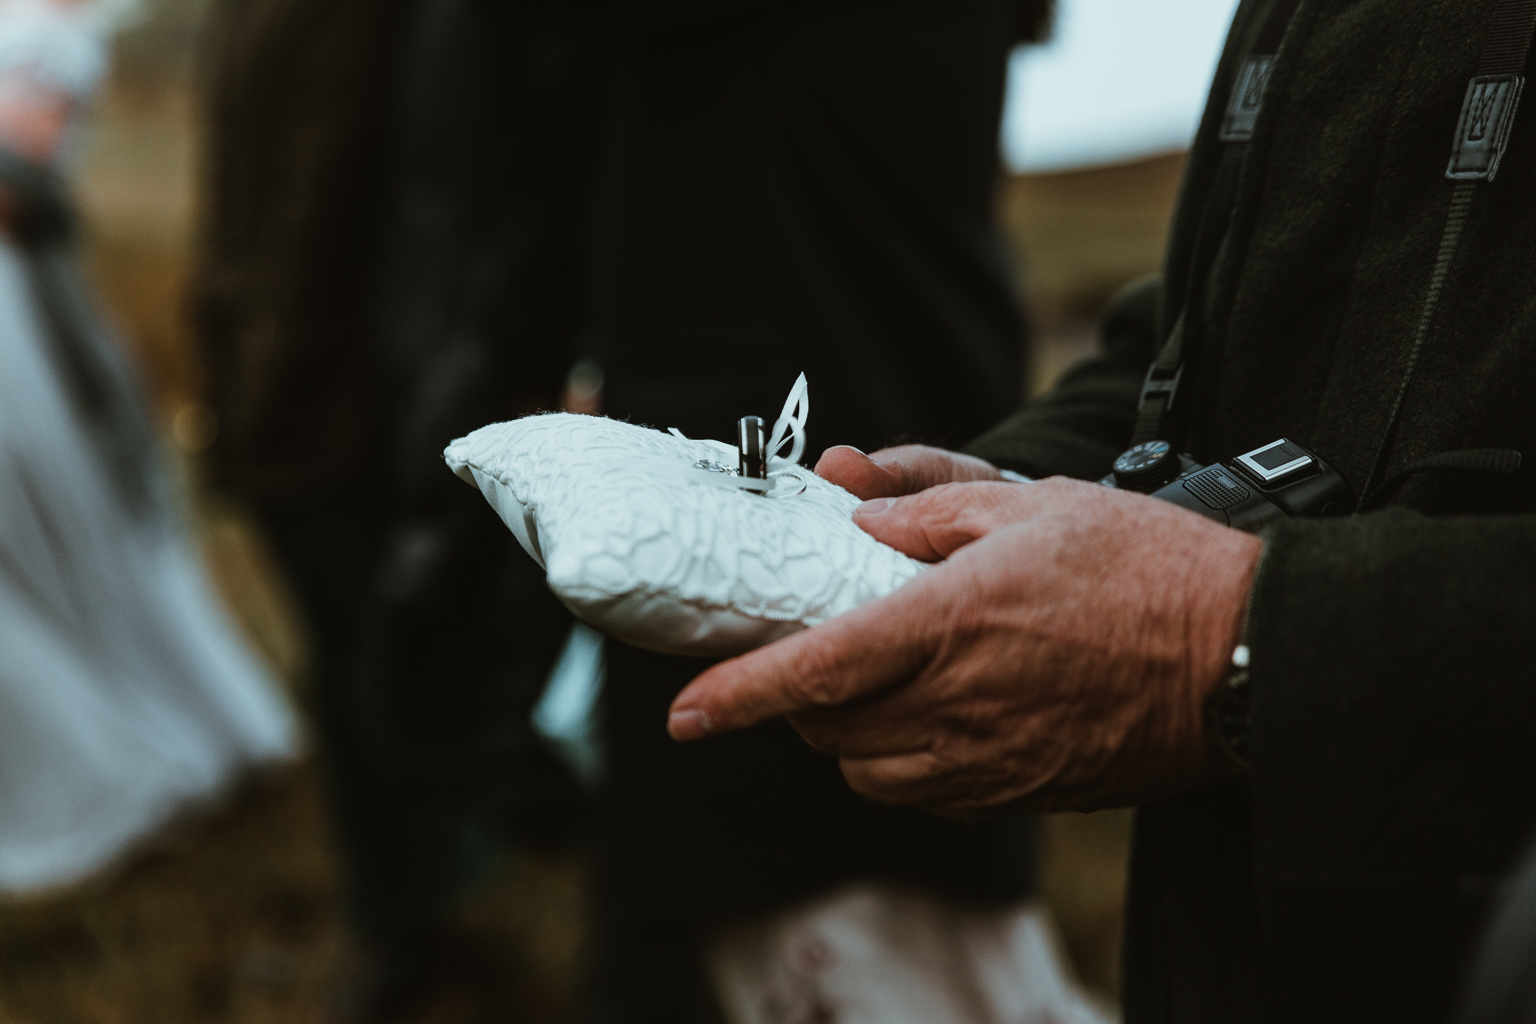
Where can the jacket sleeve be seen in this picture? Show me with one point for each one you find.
(1394, 696)
(1078, 427)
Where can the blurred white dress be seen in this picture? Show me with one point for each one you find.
(124, 690)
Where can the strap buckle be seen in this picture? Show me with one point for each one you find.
(1161, 385)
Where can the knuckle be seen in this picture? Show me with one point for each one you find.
(938, 504)
(817, 678)
(1063, 490)
(952, 515)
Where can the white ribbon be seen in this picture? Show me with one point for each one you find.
(797, 409)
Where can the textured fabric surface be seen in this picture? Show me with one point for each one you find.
(642, 543)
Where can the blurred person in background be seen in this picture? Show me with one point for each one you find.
(124, 692)
(420, 215)
(384, 268)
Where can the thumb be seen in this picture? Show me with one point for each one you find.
(934, 524)
(906, 469)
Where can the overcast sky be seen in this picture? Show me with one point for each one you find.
(1120, 79)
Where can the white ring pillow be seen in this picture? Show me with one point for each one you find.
(654, 539)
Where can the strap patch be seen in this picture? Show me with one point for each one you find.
(1247, 99)
(1482, 133)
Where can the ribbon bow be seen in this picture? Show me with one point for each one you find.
(797, 409)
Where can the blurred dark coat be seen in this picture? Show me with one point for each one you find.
(1394, 679)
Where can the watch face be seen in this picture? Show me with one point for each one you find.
(1143, 456)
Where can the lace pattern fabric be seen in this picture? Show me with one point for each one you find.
(639, 539)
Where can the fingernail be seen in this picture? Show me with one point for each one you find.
(874, 506)
(852, 449)
(688, 725)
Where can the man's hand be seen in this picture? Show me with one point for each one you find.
(892, 472)
(1060, 657)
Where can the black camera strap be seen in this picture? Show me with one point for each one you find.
(1482, 135)
(1161, 387)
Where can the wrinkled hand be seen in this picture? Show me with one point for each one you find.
(892, 472)
(1060, 657)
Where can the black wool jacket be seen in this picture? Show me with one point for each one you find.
(1393, 774)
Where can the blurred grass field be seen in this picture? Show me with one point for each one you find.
(234, 914)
